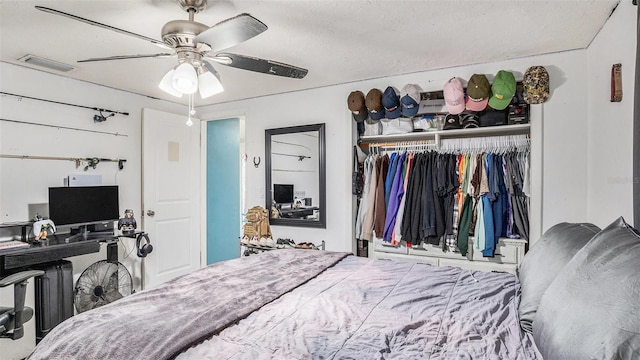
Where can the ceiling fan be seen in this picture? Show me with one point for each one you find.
(194, 43)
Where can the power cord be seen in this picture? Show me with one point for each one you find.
(126, 254)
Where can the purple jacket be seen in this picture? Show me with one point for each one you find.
(397, 190)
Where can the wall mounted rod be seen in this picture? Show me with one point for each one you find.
(10, 156)
(62, 127)
(302, 171)
(63, 103)
(92, 162)
(300, 157)
(292, 144)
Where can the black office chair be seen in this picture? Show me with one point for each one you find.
(12, 318)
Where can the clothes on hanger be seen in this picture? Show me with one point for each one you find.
(429, 196)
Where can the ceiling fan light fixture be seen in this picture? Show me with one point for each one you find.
(166, 84)
(208, 83)
(185, 78)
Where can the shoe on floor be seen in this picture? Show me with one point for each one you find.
(254, 241)
(267, 242)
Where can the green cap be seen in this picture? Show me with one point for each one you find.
(503, 89)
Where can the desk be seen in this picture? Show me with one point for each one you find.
(52, 249)
(57, 247)
(299, 213)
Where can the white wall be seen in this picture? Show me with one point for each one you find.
(291, 109)
(563, 120)
(574, 187)
(584, 165)
(26, 182)
(610, 124)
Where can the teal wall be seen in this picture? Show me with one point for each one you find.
(223, 189)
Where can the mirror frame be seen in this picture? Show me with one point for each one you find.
(321, 222)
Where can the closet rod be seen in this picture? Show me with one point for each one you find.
(62, 127)
(64, 103)
(91, 162)
(400, 143)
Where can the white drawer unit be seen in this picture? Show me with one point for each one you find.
(385, 247)
(508, 255)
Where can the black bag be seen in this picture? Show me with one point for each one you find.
(357, 179)
(493, 118)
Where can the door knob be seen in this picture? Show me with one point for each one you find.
(151, 212)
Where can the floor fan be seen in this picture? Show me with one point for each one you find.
(101, 283)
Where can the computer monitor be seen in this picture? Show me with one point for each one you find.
(83, 205)
(283, 193)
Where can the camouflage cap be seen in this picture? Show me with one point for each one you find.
(536, 85)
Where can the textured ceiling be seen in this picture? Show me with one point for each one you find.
(337, 41)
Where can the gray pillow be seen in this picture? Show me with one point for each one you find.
(592, 308)
(544, 261)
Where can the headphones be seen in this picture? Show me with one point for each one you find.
(144, 249)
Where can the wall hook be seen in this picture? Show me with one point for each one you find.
(256, 163)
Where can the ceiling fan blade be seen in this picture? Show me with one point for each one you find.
(124, 57)
(259, 65)
(231, 32)
(108, 27)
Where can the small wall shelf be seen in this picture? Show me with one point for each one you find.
(519, 129)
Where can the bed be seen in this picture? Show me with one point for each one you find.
(306, 304)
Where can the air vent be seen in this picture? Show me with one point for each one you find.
(46, 63)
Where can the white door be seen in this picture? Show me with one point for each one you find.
(171, 195)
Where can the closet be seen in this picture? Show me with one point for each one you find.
(434, 182)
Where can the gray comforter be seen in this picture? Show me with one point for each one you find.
(308, 309)
(376, 309)
(159, 323)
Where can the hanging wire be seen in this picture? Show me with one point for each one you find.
(192, 111)
(414, 146)
(494, 144)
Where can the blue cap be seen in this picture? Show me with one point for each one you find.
(391, 102)
(410, 100)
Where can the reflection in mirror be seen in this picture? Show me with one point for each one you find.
(295, 175)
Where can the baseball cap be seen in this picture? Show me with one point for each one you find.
(391, 102)
(536, 85)
(410, 100)
(478, 92)
(355, 101)
(373, 101)
(470, 121)
(503, 89)
(452, 121)
(454, 96)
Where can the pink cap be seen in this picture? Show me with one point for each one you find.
(477, 105)
(454, 96)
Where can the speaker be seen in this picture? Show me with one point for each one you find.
(307, 201)
(144, 248)
(105, 227)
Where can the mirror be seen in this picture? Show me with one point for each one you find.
(295, 176)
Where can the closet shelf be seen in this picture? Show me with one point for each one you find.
(518, 129)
